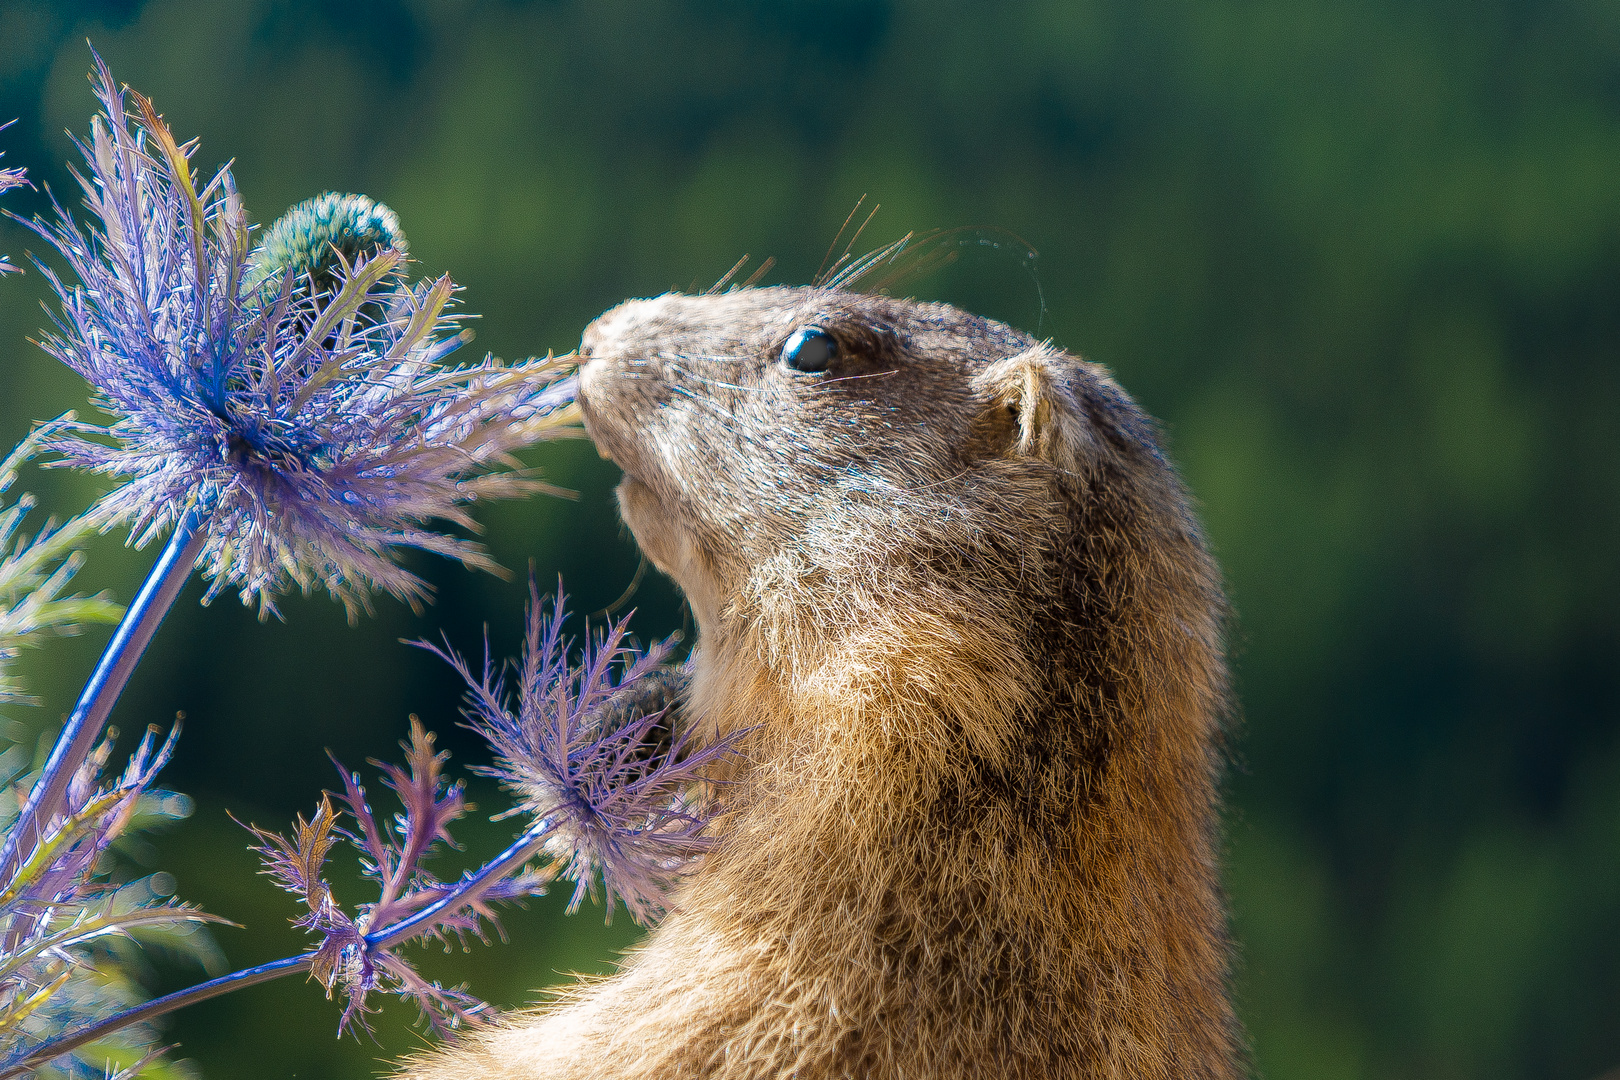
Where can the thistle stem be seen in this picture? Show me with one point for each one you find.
(213, 988)
(158, 592)
(465, 891)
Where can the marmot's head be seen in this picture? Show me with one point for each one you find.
(776, 433)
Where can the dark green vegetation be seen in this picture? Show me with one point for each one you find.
(1362, 257)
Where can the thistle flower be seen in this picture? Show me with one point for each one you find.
(295, 394)
(303, 241)
(612, 794)
(291, 434)
(9, 178)
(618, 796)
(63, 925)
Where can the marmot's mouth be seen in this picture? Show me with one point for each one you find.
(650, 522)
(628, 475)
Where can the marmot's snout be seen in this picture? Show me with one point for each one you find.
(608, 356)
(608, 332)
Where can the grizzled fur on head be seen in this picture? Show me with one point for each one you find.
(958, 594)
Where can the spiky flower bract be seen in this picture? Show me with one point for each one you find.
(36, 571)
(613, 795)
(351, 957)
(9, 178)
(619, 796)
(66, 931)
(65, 928)
(315, 425)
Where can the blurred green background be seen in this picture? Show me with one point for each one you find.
(1363, 258)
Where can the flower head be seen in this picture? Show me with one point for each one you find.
(303, 240)
(589, 751)
(613, 794)
(295, 392)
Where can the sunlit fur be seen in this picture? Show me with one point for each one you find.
(964, 598)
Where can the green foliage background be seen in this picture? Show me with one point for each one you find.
(1363, 257)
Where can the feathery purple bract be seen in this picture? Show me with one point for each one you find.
(57, 914)
(618, 797)
(9, 178)
(316, 425)
(66, 932)
(392, 856)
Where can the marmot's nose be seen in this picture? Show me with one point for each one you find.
(598, 348)
(614, 333)
(611, 346)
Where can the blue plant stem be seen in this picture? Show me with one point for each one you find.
(158, 592)
(213, 988)
(466, 891)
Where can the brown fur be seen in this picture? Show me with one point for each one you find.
(961, 596)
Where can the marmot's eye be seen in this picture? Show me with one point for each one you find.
(810, 349)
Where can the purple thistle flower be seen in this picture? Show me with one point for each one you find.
(613, 796)
(10, 178)
(611, 801)
(312, 418)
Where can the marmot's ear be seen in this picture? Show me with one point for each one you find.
(1033, 398)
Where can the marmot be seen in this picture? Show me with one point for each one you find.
(947, 575)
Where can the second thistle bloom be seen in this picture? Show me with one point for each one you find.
(591, 752)
(299, 398)
(613, 792)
